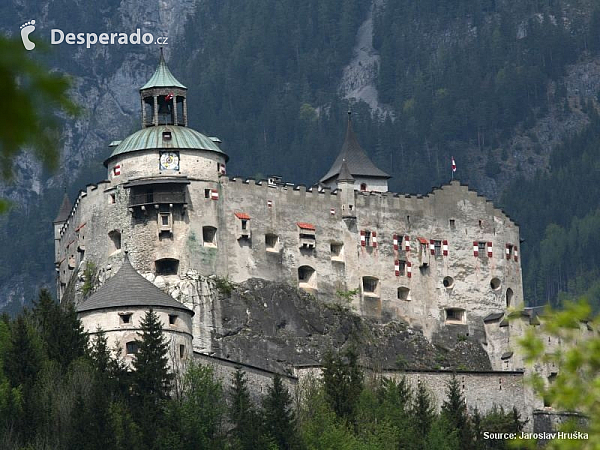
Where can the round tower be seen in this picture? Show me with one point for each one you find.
(165, 146)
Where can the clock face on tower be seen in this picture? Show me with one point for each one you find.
(169, 160)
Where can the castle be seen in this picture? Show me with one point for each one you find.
(446, 263)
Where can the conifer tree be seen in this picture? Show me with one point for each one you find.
(454, 410)
(422, 410)
(61, 331)
(343, 382)
(242, 414)
(151, 378)
(279, 417)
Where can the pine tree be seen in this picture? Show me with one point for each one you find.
(343, 382)
(454, 410)
(279, 417)
(151, 378)
(242, 414)
(422, 410)
(61, 331)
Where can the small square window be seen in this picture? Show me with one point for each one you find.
(172, 319)
(131, 347)
(125, 318)
(337, 249)
(370, 285)
(271, 242)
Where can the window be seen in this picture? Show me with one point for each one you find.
(363, 186)
(166, 135)
(337, 249)
(271, 242)
(448, 282)
(131, 347)
(166, 266)
(111, 199)
(115, 241)
(509, 297)
(209, 236)
(149, 196)
(370, 286)
(495, 284)
(206, 193)
(244, 224)
(125, 318)
(402, 267)
(307, 278)
(403, 293)
(482, 249)
(172, 319)
(437, 247)
(181, 351)
(307, 236)
(455, 315)
(509, 251)
(452, 224)
(367, 235)
(165, 222)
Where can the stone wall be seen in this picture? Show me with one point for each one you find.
(481, 390)
(453, 281)
(258, 379)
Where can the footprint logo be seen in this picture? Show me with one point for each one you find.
(26, 29)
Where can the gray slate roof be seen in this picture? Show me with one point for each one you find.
(357, 160)
(64, 210)
(493, 316)
(345, 174)
(127, 289)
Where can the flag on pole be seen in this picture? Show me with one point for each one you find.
(453, 165)
(169, 97)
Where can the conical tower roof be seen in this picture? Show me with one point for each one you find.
(64, 210)
(357, 161)
(345, 174)
(128, 289)
(162, 76)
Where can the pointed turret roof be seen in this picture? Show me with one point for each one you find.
(64, 210)
(357, 161)
(345, 174)
(162, 76)
(128, 289)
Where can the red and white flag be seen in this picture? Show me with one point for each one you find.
(169, 97)
(453, 165)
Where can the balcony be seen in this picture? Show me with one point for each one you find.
(157, 198)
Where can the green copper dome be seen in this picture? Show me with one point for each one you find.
(162, 76)
(152, 138)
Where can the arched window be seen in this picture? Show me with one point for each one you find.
(115, 241)
(307, 277)
(370, 286)
(166, 266)
(509, 297)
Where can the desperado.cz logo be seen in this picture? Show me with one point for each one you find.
(58, 36)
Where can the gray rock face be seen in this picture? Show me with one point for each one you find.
(274, 326)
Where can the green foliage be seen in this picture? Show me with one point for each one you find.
(224, 285)
(454, 413)
(90, 278)
(246, 431)
(422, 411)
(152, 379)
(343, 382)
(559, 220)
(32, 99)
(279, 416)
(61, 331)
(347, 296)
(196, 418)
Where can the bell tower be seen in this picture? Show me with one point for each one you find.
(163, 98)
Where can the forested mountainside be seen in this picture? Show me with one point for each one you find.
(510, 89)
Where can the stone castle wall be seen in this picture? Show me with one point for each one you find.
(451, 214)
